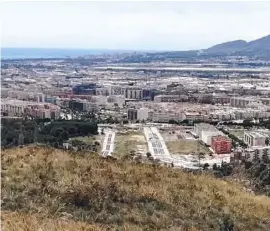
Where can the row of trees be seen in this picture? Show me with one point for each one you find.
(235, 139)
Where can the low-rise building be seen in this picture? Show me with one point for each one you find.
(132, 114)
(254, 139)
(193, 116)
(205, 132)
(165, 116)
(221, 144)
(13, 107)
(257, 153)
(170, 98)
(143, 114)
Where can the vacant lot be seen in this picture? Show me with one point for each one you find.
(130, 141)
(185, 147)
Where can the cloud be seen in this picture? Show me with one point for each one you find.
(131, 25)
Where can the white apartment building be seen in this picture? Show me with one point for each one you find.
(142, 114)
(117, 90)
(242, 102)
(257, 153)
(4, 92)
(165, 116)
(15, 107)
(254, 139)
(193, 116)
(134, 93)
(118, 99)
(26, 95)
(205, 132)
(206, 136)
(170, 98)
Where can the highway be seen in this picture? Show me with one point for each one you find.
(198, 69)
(108, 143)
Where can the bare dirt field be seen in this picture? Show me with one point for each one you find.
(130, 141)
(185, 147)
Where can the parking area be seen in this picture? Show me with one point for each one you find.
(108, 143)
(156, 145)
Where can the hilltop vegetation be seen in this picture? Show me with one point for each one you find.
(49, 189)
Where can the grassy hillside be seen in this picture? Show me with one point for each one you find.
(56, 190)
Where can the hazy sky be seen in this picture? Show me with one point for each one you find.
(131, 25)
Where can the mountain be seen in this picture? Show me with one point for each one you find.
(259, 47)
(228, 47)
(49, 189)
(259, 44)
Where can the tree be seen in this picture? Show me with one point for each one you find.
(64, 135)
(206, 166)
(172, 121)
(148, 154)
(247, 123)
(215, 167)
(200, 156)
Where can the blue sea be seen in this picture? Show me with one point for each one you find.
(47, 53)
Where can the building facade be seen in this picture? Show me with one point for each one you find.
(221, 144)
(85, 89)
(132, 114)
(254, 139)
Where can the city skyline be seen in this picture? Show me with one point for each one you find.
(131, 25)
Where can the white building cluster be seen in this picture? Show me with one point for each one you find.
(13, 107)
(257, 148)
(205, 132)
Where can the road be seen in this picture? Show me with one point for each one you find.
(108, 143)
(156, 145)
(198, 69)
(158, 150)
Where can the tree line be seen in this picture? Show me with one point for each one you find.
(19, 132)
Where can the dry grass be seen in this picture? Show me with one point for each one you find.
(86, 139)
(124, 143)
(15, 221)
(185, 147)
(56, 190)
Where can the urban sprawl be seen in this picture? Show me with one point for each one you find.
(182, 114)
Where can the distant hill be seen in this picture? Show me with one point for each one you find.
(259, 47)
(50, 189)
(228, 47)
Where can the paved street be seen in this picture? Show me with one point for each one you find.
(156, 145)
(158, 150)
(108, 143)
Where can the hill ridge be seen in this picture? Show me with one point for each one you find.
(44, 187)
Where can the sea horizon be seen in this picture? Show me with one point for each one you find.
(51, 53)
